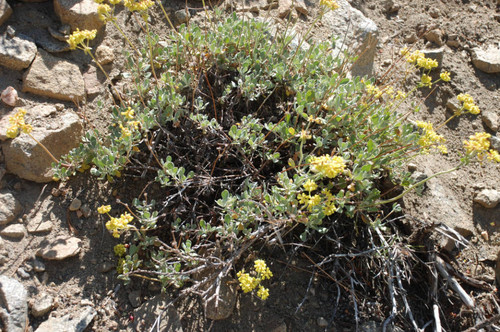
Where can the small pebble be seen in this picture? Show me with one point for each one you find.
(38, 266)
(322, 322)
(22, 273)
(75, 204)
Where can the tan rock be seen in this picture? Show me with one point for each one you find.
(5, 11)
(16, 52)
(61, 248)
(81, 14)
(53, 77)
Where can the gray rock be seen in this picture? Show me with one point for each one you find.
(9, 208)
(59, 132)
(359, 32)
(284, 9)
(108, 266)
(495, 143)
(435, 36)
(61, 248)
(22, 273)
(81, 14)
(435, 54)
(53, 77)
(301, 7)
(487, 60)
(181, 16)
(488, 198)
(104, 54)
(491, 120)
(16, 52)
(51, 45)
(68, 323)
(63, 37)
(42, 305)
(13, 303)
(38, 266)
(75, 204)
(39, 227)
(452, 105)
(135, 298)
(5, 11)
(2, 244)
(158, 307)
(434, 12)
(93, 81)
(86, 211)
(16, 231)
(389, 6)
(227, 300)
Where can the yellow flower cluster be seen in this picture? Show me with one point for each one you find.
(117, 224)
(130, 126)
(331, 4)
(17, 123)
(445, 76)
(119, 250)
(327, 166)
(140, 5)
(78, 38)
(104, 209)
(430, 138)
(468, 104)
(310, 185)
(105, 12)
(479, 144)
(326, 199)
(248, 283)
(426, 80)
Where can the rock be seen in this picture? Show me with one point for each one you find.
(93, 79)
(51, 45)
(227, 300)
(435, 54)
(452, 105)
(22, 273)
(81, 14)
(75, 204)
(435, 36)
(488, 198)
(453, 40)
(389, 6)
(61, 248)
(495, 143)
(135, 298)
(9, 96)
(412, 167)
(181, 16)
(5, 11)
(59, 132)
(16, 231)
(86, 211)
(104, 54)
(13, 303)
(491, 120)
(487, 60)
(63, 37)
(301, 7)
(68, 323)
(38, 266)
(9, 208)
(42, 305)
(39, 227)
(322, 322)
(158, 308)
(55, 78)
(434, 12)
(16, 52)
(359, 35)
(284, 9)
(2, 244)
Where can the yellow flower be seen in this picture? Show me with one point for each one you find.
(465, 98)
(494, 156)
(117, 224)
(329, 209)
(426, 80)
(262, 269)
(104, 12)
(310, 185)
(478, 144)
(430, 138)
(129, 113)
(315, 200)
(445, 76)
(329, 4)
(104, 209)
(140, 5)
(98, 1)
(263, 292)
(327, 166)
(17, 123)
(125, 131)
(304, 135)
(247, 282)
(119, 250)
(400, 95)
(114, 2)
(80, 37)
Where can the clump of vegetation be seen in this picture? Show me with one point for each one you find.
(256, 141)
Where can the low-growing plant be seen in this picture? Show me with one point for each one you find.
(250, 138)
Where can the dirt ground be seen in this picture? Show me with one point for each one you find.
(301, 300)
